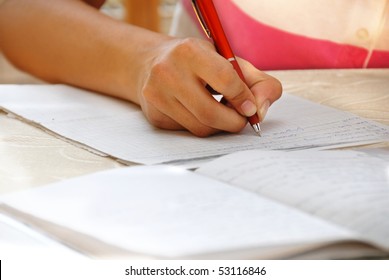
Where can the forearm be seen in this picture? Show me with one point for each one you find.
(67, 41)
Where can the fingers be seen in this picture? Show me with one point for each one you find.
(223, 78)
(210, 112)
(255, 79)
(170, 114)
(186, 120)
(173, 95)
(254, 96)
(265, 88)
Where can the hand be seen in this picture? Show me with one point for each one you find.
(173, 96)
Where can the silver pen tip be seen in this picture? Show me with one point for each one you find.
(257, 129)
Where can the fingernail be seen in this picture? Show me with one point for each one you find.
(264, 109)
(248, 108)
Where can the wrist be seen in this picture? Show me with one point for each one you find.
(131, 60)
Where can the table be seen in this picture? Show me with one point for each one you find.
(30, 157)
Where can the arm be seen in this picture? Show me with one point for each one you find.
(69, 41)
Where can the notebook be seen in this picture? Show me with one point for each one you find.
(118, 128)
(246, 205)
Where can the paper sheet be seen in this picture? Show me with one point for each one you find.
(119, 129)
(348, 188)
(170, 212)
(17, 239)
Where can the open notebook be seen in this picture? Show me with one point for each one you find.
(258, 204)
(119, 129)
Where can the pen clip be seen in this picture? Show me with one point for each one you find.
(201, 19)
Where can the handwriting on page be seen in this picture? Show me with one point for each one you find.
(348, 188)
(300, 124)
(119, 129)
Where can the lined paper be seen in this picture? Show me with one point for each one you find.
(348, 188)
(119, 129)
(166, 211)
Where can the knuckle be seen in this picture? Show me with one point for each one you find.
(237, 95)
(186, 47)
(161, 121)
(189, 49)
(238, 128)
(229, 81)
(202, 131)
(155, 119)
(207, 117)
(277, 88)
(150, 95)
(159, 70)
(226, 74)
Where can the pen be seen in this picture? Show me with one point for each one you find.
(209, 20)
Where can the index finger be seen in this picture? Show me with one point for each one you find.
(219, 73)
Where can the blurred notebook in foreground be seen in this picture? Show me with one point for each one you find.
(316, 204)
(119, 129)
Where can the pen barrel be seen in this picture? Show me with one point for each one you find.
(207, 14)
(235, 64)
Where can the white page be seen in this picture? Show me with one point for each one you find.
(119, 129)
(17, 239)
(171, 212)
(348, 188)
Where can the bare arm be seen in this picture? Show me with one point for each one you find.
(69, 41)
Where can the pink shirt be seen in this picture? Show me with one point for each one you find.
(268, 46)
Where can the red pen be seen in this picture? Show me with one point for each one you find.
(209, 20)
